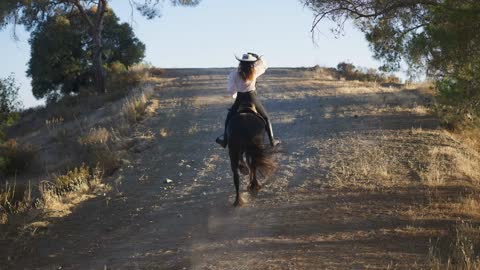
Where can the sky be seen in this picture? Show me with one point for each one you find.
(210, 34)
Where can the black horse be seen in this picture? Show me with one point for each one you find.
(246, 132)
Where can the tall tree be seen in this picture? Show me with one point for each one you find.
(33, 12)
(60, 60)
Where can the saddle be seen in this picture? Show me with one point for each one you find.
(249, 108)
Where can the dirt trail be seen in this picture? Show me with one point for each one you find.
(300, 220)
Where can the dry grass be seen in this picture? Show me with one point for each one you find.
(53, 123)
(459, 252)
(318, 72)
(98, 151)
(14, 198)
(98, 135)
(103, 156)
(79, 180)
(455, 162)
(363, 163)
(134, 108)
(437, 169)
(74, 131)
(156, 72)
(470, 205)
(163, 132)
(468, 135)
(467, 164)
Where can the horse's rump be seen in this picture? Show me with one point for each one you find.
(246, 132)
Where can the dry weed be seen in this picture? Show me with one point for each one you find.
(135, 106)
(438, 168)
(459, 251)
(102, 155)
(470, 205)
(53, 123)
(79, 180)
(163, 132)
(447, 162)
(193, 129)
(467, 164)
(95, 136)
(14, 198)
(364, 164)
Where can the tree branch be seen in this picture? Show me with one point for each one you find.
(101, 10)
(83, 12)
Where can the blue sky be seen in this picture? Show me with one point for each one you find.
(210, 34)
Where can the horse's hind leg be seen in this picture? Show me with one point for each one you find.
(254, 186)
(234, 160)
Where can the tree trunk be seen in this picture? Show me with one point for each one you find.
(96, 29)
(99, 72)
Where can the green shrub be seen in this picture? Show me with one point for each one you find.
(117, 67)
(15, 158)
(9, 103)
(349, 72)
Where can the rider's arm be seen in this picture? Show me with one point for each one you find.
(231, 85)
(260, 66)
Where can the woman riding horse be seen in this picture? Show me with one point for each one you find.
(241, 84)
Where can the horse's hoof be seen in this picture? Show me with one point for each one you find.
(238, 203)
(254, 188)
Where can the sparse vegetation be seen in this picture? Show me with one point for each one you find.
(348, 71)
(15, 157)
(135, 106)
(79, 180)
(121, 80)
(98, 151)
(368, 164)
(156, 72)
(437, 170)
(440, 41)
(15, 197)
(458, 251)
(56, 194)
(103, 155)
(95, 136)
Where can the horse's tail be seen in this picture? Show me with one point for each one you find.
(261, 158)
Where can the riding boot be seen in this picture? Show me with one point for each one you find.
(273, 142)
(222, 141)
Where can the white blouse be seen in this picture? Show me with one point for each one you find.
(237, 84)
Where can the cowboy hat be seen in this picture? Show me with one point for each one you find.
(247, 58)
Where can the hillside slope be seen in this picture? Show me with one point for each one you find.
(366, 179)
